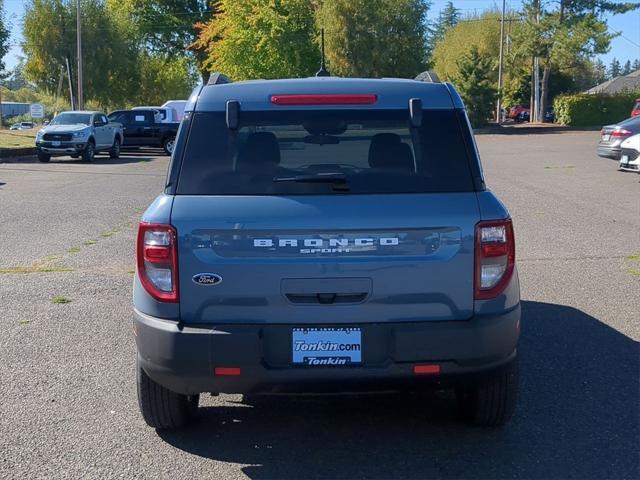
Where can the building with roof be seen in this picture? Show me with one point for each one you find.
(622, 84)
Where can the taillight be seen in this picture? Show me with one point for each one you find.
(621, 133)
(157, 261)
(495, 258)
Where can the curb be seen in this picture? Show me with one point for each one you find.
(15, 155)
(531, 129)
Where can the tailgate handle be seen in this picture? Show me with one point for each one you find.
(326, 298)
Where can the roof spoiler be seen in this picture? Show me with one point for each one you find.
(218, 78)
(428, 76)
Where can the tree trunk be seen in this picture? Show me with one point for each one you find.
(544, 93)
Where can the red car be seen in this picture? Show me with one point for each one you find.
(515, 112)
(635, 111)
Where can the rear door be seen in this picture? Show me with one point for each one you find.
(389, 238)
(141, 126)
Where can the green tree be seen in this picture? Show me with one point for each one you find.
(118, 70)
(615, 69)
(600, 72)
(448, 17)
(636, 65)
(5, 35)
(109, 58)
(483, 33)
(261, 39)
(163, 78)
(562, 34)
(626, 70)
(171, 27)
(15, 77)
(375, 38)
(476, 87)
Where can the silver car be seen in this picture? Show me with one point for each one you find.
(611, 136)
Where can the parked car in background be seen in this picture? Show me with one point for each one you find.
(167, 114)
(524, 116)
(22, 126)
(630, 154)
(635, 111)
(517, 110)
(178, 106)
(79, 133)
(143, 128)
(612, 136)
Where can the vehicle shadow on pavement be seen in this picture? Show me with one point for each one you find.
(577, 417)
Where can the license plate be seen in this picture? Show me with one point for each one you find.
(624, 159)
(55, 143)
(326, 346)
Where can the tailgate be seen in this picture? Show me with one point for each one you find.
(326, 259)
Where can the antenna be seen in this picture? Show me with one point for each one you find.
(323, 72)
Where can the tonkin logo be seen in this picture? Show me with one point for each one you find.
(207, 279)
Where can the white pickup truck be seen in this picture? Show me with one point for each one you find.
(79, 134)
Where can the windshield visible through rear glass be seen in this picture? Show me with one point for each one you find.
(72, 119)
(324, 152)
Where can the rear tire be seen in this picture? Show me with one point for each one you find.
(89, 152)
(44, 157)
(492, 401)
(161, 408)
(114, 153)
(168, 144)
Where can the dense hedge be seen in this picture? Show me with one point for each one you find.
(583, 110)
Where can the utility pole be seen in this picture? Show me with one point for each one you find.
(534, 112)
(73, 105)
(500, 66)
(79, 41)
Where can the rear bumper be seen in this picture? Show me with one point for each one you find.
(609, 152)
(183, 359)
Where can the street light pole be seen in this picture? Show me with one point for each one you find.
(79, 41)
(500, 65)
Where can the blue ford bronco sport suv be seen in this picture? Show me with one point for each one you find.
(325, 234)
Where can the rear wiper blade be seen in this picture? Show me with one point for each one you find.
(328, 177)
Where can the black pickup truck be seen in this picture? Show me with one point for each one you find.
(142, 128)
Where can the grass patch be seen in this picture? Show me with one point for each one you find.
(566, 167)
(75, 249)
(633, 258)
(634, 272)
(60, 300)
(87, 243)
(44, 265)
(111, 233)
(131, 272)
(24, 322)
(18, 139)
(36, 269)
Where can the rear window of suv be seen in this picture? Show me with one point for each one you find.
(324, 152)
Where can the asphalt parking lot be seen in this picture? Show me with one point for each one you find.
(67, 353)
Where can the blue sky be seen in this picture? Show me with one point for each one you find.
(624, 47)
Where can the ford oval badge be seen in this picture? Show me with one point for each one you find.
(207, 279)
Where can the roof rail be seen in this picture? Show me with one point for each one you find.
(218, 78)
(428, 76)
